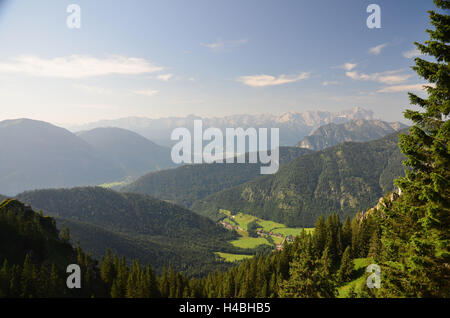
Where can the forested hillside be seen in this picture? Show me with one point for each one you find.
(355, 130)
(34, 266)
(341, 179)
(34, 257)
(189, 183)
(136, 226)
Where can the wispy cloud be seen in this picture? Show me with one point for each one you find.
(328, 83)
(94, 89)
(412, 53)
(347, 66)
(164, 77)
(77, 66)
(146, 92)
(376, 50)
(388, 77)
(263, 80)
(94, 106)
(404, 88)
(220, 45)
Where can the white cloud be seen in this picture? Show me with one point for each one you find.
(388, 77)
(77, 66)
(146, 92)
(263, 80)
(94, 106)
(376, 50)
(404, 88)
(94, 89)
(412, 53)
(164, 77)
(347, 66)
(328, 83)
(220, 45)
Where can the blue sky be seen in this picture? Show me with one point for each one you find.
(206, 57)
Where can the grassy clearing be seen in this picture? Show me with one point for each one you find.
(292, 231)
(270, 225)
(277, 240)
(232, 257)
(244, 219)
(360, 265)
(250, 242)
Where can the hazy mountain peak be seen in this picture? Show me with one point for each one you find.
(293, 125)
(359, 130)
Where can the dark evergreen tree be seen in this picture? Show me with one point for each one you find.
(345, 272)
(309, 277)
(416, 228)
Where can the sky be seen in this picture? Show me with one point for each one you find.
(206, 57)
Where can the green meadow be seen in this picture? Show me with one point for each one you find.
(360, 265)
(232, 257)
(242, 220)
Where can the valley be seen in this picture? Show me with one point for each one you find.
(160, 217)
(342, 179)
(256, 233)
(136, 226)
(226, 150)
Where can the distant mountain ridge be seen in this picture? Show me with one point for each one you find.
(358, 130)
(293, 125)
(135, 154)
(36, 155)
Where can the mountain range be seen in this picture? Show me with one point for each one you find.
(342, 179)
(293, 125)
(38, 155)
(359, 130)
(136, 222)
(135, 154)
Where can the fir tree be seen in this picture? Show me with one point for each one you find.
(309, 277)
(345, 272)
(416, 231)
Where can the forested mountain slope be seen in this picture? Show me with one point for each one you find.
(189, 183)
(135, 225)
(341, 179)
(34, 257)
